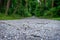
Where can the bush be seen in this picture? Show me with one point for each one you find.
(53, 12)
(58, 11)
(26, 13)
(37, 13)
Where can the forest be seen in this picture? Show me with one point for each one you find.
(15, 9)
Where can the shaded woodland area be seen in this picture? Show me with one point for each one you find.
(27, 8)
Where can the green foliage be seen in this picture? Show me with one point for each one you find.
(28, 8)
(53, 12)
(9, 17)
(58, 11)
(26, 13)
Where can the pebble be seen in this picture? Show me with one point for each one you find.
(30, 29)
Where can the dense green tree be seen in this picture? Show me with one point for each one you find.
(27, 8)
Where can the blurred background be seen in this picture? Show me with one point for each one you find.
(15, 9)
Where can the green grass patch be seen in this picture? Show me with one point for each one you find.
(10, 17)
(51, 18)
(56, 18)
(13, 17)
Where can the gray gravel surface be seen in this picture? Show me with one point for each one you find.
(30, 29)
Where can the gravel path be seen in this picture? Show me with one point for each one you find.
(30, 29)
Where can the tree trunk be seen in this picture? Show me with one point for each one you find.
(39, 2)
(26, 3)
(18, 4)
(7, 7)
(52, 3)
(44, 4)
(15, 9)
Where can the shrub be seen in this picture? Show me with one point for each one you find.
(58, 11)
(26, 13)
(53, 12)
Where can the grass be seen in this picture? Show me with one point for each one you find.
(11, 17)
(52, 18)
(56, 18)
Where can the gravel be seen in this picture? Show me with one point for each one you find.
(30, 29)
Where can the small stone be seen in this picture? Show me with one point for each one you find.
(18, 29)
(41, 39)
(5, 36)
